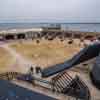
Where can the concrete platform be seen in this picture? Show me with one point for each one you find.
(10, 91)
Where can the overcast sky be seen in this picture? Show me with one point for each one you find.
(49, 10)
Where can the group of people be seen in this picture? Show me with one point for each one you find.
(35, 70)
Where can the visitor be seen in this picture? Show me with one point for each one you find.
(38, 69)
(31, 70)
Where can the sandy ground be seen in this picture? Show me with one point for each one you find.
(46, 53)
(20, 63)
(6, 59)
(27, 53)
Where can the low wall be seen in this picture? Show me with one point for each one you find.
(49, 35)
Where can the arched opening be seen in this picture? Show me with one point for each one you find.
(68, 35)
(77, 36)
(21, 36)
(98, 38)
(9, 37)
(89, 37)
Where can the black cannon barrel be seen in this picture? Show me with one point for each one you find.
(85, 54)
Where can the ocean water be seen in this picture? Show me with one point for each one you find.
(93, 27)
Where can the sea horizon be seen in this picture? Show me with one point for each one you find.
(86, 27)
